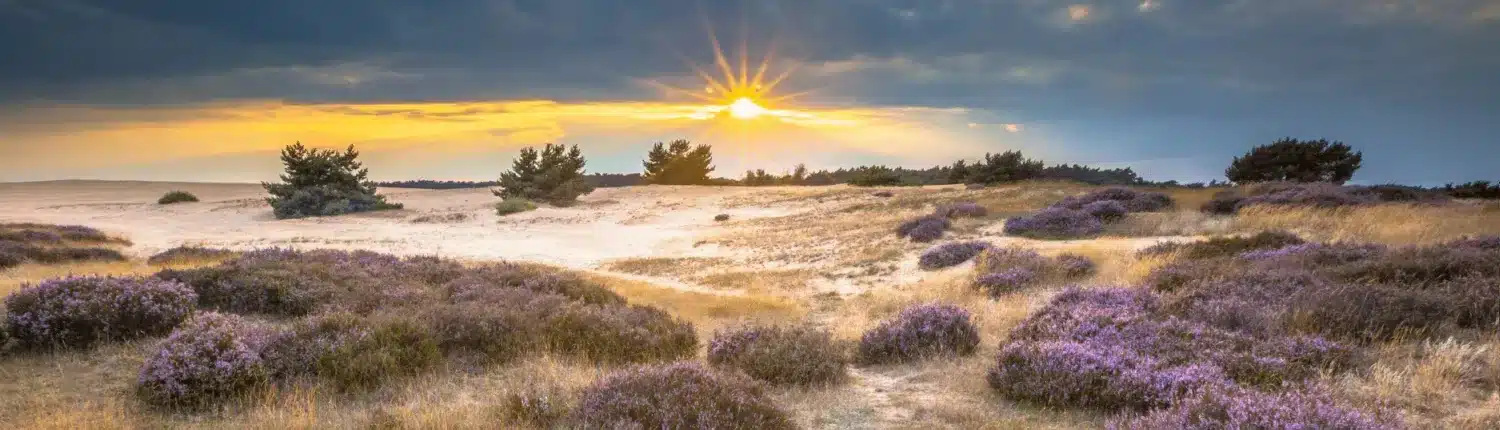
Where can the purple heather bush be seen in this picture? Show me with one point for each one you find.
(919, 332)
(961, 210)
(1219, 407)
(489, 334)
(951, 254)
(796, 355)
(211, 358)
(352, 352)
(1075, 266)
(1006, 281)
(190, 254)
(1131, 200)
(1106, 210)
(31, 236)
(297, 351)
(1115, 349)
(83, 311)
(1055, 223)
(1490, 243)
(9, 258)
(682, 395)
(923, 229)
(533, 278)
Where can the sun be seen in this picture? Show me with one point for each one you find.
(745, 108)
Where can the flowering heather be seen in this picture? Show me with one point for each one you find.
(951, 254)
(188, 254)
(1320, 195)
(682, 395)
(539, 279)
(1217, 407)
(210, 358)
(1131, 200)
(1000, 259)
(1055, 223)
(1106, 210)
(9, 259)
(493, 334)
(1005, 281)
(78, 233)
(779, 355)
(962, 210)
(297, 351)
(1422, 267)
(920, 331)
(1075, 374)
(31, 236)
(1270, 254)
(924, 229)
(1226, 246)
(1075, 266)
(394, 348)
(1489, 243)
(82, 311)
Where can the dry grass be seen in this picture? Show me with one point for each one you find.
(666, 267)
(1392, 224)
(1432, 381)
(760, 281)
(706, 311)
(12, 279)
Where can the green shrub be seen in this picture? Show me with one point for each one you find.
(552, 176)
(394, 348)
(513, 205)
(176, 197)
(779, 355)
(1290, 159)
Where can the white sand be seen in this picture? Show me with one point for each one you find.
(607, 224)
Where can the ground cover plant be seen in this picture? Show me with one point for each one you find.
(1000, 271)
(176, 197)
(782, 355)
(1085, 216)
(21, 243)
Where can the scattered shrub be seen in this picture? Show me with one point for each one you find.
(31, 236)
(924, 229)
(1106, 211)
(1234, 408)
(779, 355)
(9, 259)
(962, 210)
(1055, 223)
(918, 332)
(721, 217)
(621, 334)
(1075, 266)
(211, 358)
(513, 206)
(950, 254)
(1006, 281)
(1074, 374)
(679, 395)
(15, 253)
(1227, 246)
(883, 194)
(176, 197)
(83, 311)
(393, 348)
(476, 283)
(1129, 200)
(190, 254)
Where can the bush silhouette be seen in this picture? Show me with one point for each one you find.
(551, 176)
(875, 176)
(176, 197)
(1296, 160)
(679, 163)
(323, 182)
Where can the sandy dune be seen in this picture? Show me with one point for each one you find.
(607, 224)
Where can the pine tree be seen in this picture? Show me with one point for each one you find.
(521, 179)
(1290, 159)
(551, 176)
(322, 182)
(678, 163)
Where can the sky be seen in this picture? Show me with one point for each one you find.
(210, 91)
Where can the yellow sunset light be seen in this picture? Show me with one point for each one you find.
(744, 108)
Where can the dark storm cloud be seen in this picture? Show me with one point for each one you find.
(1255, 68)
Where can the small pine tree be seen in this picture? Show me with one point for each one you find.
(1008, 166)
(551, 176)
(1295, 160)
(678, 163)
(875, 176)
(323, 182)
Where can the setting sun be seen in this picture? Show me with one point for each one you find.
(744, 108)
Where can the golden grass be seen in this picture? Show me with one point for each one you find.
(760, 281)
(1435, 382)
(1391, 224)
(706, 311)
(665, 266)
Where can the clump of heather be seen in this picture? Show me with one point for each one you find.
(78, 233)
(9, 258)
(918, 332)
(1106, 210)
(923, 229)
(620, 334)
(490, 277)
(13, 253)
(678, 395)
(190, 254)
(83, 311)
(1075, 266)
(962, 210)
(1321, 195)
(1055, 223)
(31, 236)
(796, 355)
(353, 352)
(1006, 281)
(1226, 246)
(951, 254)
(1131, 200)
(1117, 349)
(1490, 243)
(1218, 407)
(211, 358)
(490, 334)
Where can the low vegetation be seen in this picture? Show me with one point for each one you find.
(22, 243)
(176, 197)
(781, 355)
(920, 332)
(1085, 216)
(514, 206)
(551, 175)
